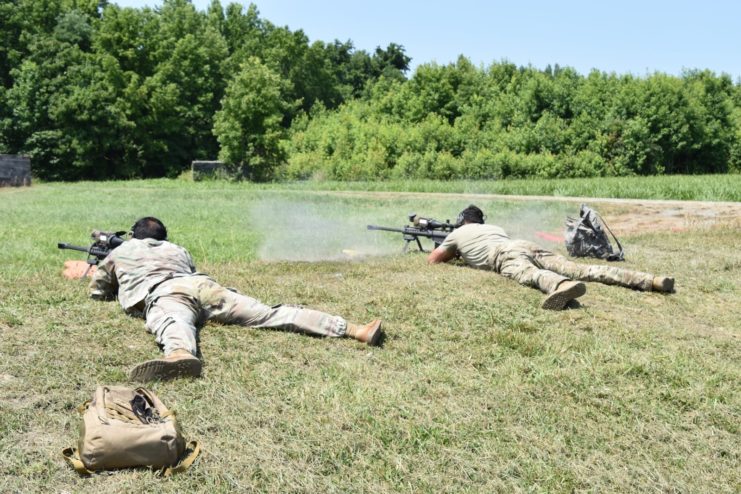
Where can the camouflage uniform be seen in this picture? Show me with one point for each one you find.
(158, 280)
(489, 247)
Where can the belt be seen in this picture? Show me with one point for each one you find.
(155, 285)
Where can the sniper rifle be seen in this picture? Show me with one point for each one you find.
(420, 228)
(103, 244)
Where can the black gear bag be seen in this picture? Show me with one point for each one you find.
(586, 237)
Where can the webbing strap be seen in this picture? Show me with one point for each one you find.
(121, 412)
(192, 450)
(73, 458)
(81, 408)
(619, 255)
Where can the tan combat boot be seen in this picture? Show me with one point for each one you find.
(662, 284)
(565, 292)
(180, 363)
(370, 333)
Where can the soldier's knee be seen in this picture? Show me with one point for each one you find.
(170, 322)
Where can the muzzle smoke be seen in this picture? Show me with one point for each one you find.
(308, 231)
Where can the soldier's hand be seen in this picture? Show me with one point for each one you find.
(74, 270)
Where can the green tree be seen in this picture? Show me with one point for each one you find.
(172, 61)
(433, 89)
(244, 32)
(715, 129)
(11, 47)
(188, 87)
(215, 16)
(248, 126)
(68, 112)
(353, 68)
(128, 35)
(391, 62)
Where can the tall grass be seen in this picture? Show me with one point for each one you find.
(676, 187)
(666, 187)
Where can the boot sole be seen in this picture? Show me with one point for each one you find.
(666, 286)
(370, 334)
(163, 370)
(375, 336)
(558, 299)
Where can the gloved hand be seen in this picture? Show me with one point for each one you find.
(74, 270)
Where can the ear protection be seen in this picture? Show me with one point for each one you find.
(459, 220)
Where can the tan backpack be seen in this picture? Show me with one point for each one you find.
(124, 427)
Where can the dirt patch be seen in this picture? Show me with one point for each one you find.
(649, 216)
(623, 216)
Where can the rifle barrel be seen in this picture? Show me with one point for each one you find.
(63, 245)
(410, 230)
(385, 228)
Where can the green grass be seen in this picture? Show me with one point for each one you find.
(475, 389)
(725, 187)
(681, 187)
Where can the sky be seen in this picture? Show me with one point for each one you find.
(625, 36)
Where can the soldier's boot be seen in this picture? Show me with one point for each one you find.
(663, 284)
(369, 333)
(565, 292)
(180, 363)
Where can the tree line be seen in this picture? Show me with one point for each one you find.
(90, 90)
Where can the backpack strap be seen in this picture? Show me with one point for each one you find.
(73, 458)
(71, 455)
(83, 407)
(121, 412)
(192, 450)
(620, 255)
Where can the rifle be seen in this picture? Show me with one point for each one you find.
(103, 244)
(421, 227)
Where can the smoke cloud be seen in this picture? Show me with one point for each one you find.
(309, 231)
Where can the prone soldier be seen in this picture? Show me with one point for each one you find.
(489, 247)
(157, 280)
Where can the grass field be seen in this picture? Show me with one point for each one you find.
(475, 388)
(682, 187)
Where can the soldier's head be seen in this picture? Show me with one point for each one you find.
(471, 214)
(149, 227)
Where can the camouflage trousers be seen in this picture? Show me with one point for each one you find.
(177, 307)
(531, 265)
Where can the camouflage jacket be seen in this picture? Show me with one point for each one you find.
(134, 268)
